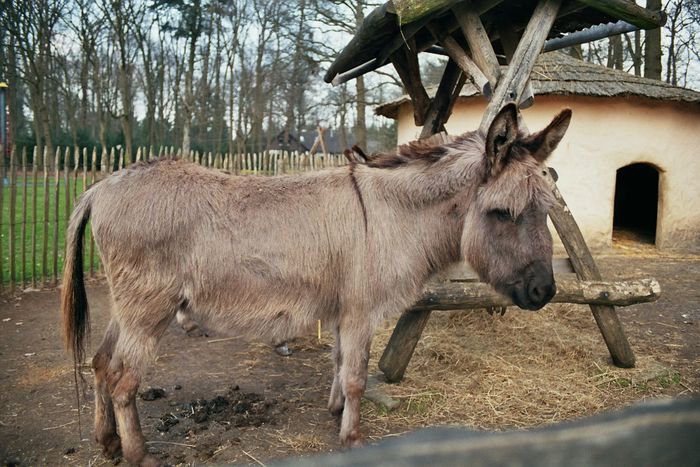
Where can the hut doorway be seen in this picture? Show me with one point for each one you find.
(636, 203)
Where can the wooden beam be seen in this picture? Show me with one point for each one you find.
(586, 269)
(405, 61)
(478, 41)
(629, 11)
(509, 40)
(517, 75)
(440, 106)
(469, 295)
(460, 57)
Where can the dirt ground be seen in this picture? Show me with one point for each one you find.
(225, 400)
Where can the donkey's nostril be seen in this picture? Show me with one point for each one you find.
(539, 292)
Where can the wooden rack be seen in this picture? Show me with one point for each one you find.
(479, 37)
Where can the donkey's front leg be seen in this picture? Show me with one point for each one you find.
(355, 341)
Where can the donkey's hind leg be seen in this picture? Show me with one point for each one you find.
(105, 424)
(356, 338)
(141, 327)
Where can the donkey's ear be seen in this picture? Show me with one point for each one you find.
(543, 143)
(502, 133)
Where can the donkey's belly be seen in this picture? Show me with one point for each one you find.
(273, 317)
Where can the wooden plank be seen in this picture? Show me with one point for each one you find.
(513, 82)
(469, 295)
(440, 106)
(478, 41)
(586, 269)
(35, 220)
(629, 11)
(405, 61)
(509, 40)
(23, 234)
(460, 57)
(11, 219)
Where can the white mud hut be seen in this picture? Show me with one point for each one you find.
(630, 161)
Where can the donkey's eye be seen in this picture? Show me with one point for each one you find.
(502, 215)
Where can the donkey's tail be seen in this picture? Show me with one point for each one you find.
(74, 305)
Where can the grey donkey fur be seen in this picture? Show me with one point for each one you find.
(271, 255)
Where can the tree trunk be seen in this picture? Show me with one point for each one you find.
(361, 122)
(615, 52)
(652, 47)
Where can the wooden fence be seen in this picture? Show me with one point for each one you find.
(39, 189)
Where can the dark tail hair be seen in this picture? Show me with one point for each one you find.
(74, 305)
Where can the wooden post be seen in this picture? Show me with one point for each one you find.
(509, 41)
(45, 232)
(586, 269)
(23, 236)
(479, 42)
(2, 209)
(460, 57)
(56, 205)
(447, 92)
(11, 220)
(35, 221)
(93, 171)
(405, 61)
(531, 43)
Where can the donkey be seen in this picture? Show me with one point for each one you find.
(271, 255)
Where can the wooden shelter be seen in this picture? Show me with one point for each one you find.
(478, 36)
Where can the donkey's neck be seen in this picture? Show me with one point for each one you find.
(430, 201)
(419, 184)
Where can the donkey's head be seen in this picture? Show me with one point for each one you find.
(506, 238)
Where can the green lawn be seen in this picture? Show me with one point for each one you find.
(35, 220)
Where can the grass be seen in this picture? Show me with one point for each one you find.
(27, 271)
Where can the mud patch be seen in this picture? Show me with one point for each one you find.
(235, 409)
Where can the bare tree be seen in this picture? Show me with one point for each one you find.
(652, 48)
(32, 28)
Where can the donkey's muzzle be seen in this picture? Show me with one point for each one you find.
(538, 288)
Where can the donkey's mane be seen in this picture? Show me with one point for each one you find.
(427, 151)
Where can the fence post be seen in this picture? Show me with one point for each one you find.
(23, 236)
(45, 232)
(35, 163)
(13, 195)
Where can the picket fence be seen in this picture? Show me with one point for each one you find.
(39, 189)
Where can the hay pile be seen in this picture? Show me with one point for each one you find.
(516, 371)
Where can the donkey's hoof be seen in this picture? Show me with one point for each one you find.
(197, 332)
(111, 447)
(283, 350)
(336, 408)
(352, 440)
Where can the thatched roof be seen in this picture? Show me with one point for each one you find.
(559, 74)
(387, 27)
